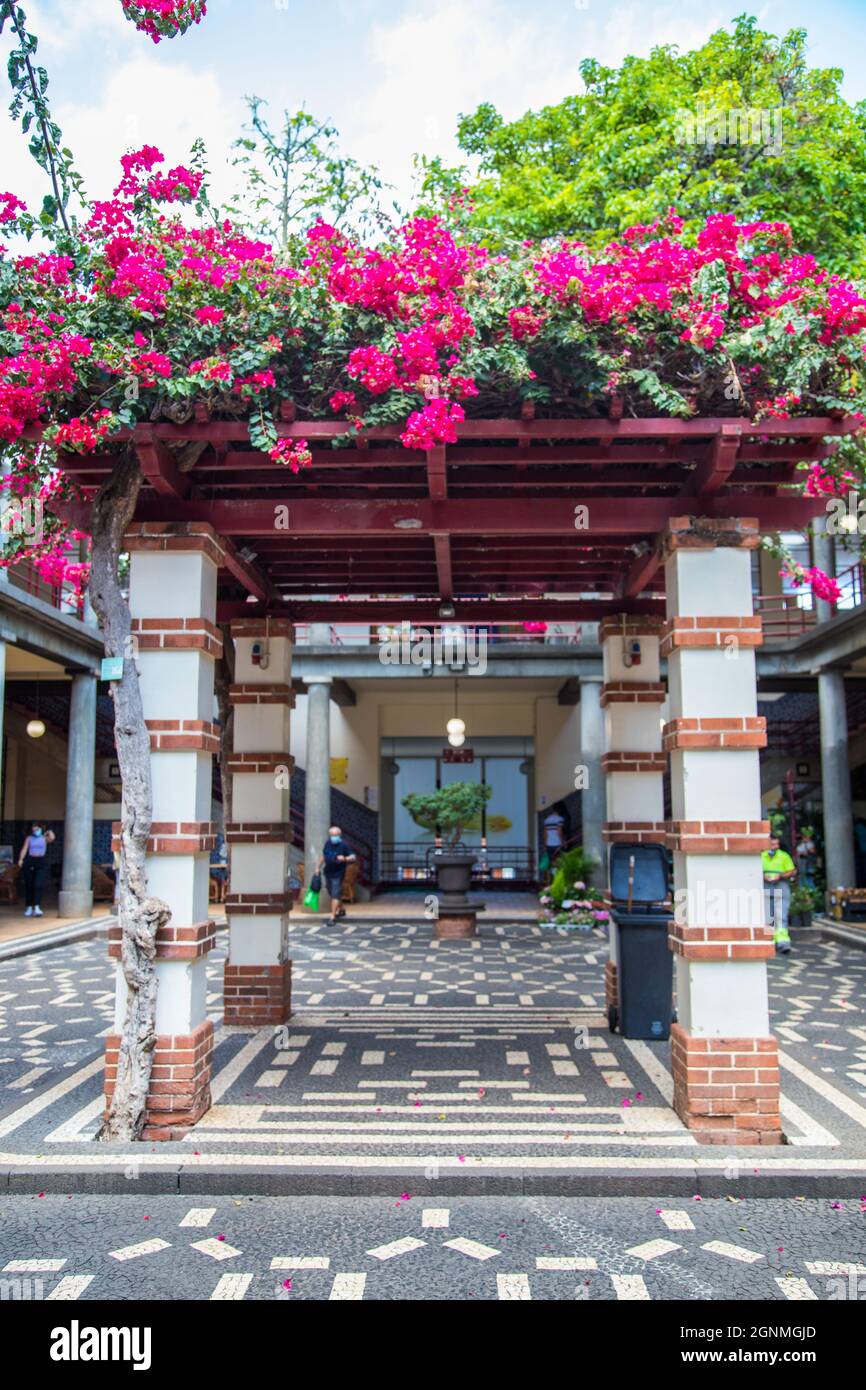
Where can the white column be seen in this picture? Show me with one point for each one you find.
(317, 797)
(592, 796)
(258, 972)
(725, 1063)
(172, 597)
(633, 762)
(76, 894)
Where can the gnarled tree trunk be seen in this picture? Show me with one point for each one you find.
(141, 916)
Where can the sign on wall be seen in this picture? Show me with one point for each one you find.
(339, 770)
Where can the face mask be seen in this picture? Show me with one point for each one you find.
(333, 838)
(37, 830)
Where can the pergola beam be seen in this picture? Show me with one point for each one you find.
(633, 516)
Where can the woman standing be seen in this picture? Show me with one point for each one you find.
(32, 859)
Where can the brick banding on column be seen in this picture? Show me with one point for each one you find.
(726, 1090)
(259, 762)
(747, 731)
(273, 694)
(262, 627)
(258, 994)
(176, 536)
(632, 693)
(705, 533)
(634, 762)
(718, 836)
(173, 943)
(725, 632)
(257, 904)
(611, 985)
(175, 837)
(183, 735)
(721, 942)
(259, 832)
(177, 634)
(643, 832)
(630, 625)
(179, 1090)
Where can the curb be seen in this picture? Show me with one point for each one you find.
(56, 936)
(175, 1179)
(846, 936)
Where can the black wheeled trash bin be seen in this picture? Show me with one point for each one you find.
(639, 885)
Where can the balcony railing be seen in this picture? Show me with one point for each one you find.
(367, 635)
(63, 597)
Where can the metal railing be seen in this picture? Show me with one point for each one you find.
(409, 862)
(534, 634)
(64, 597)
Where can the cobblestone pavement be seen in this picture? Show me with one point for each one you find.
(403, 1247)
(436, 1054)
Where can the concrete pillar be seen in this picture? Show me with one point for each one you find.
(172, 598)
(258, 972)
(725, 1063)
(76, 895)
(592, 796)
(836, 781)
(633, 762)
(317, 815)
(824, 557)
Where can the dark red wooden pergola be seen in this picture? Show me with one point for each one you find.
(488, 524)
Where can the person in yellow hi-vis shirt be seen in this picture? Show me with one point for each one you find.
(778, 867)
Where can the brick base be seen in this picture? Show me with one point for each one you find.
(726, 1090)
(611, 987)
(450, 927)
(179, 1092)
(258, 995)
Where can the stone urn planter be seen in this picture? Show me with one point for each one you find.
(445, 812)
(457, 915)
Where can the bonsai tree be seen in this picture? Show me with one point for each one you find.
(448, 810)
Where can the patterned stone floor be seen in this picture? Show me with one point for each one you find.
(433, 1056)
(404, 1247)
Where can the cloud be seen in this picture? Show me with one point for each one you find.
(143, 101)
(429, 65)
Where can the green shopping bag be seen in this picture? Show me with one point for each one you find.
(311, 900)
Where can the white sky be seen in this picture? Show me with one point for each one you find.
(393, 75)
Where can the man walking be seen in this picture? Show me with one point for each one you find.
(332, 866)
(778, 867)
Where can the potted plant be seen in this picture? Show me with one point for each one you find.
(447, 812)
(568, 901)
(802, 905)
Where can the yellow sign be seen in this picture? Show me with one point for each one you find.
(339, 770)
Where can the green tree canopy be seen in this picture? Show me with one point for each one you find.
(742, 125)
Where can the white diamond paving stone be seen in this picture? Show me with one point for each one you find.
(372, 1059)
(231, 1286)
(396, 1247)
(271, 1078)
(630, 1288)
(732, 1252)
(144, 1247)
(652, 1249)
(70, 1287)
(33, 1266)
(301, 1262)
(513, 1286)
(216, 1249)
(517, 1059)
(617, 1079)
(473, 1248)
(435, 1217)
(566, 1262)
(834, 1267)
(677, 1220)
(347, 1287)
(564, 1068)
(198, 1216)
(323, 1068)
(797, 1290)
